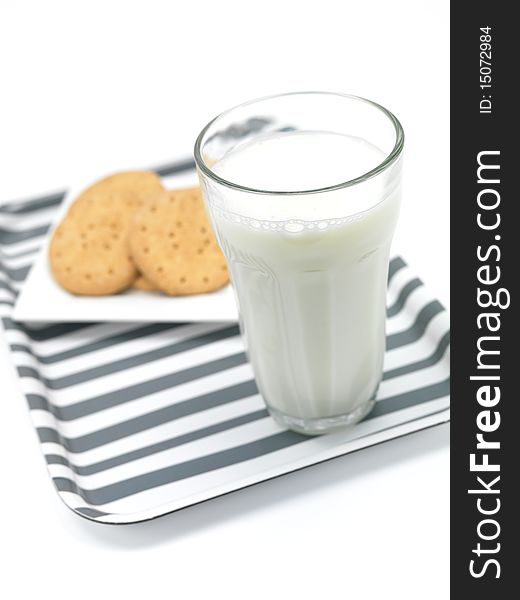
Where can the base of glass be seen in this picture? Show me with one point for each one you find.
(320, 425)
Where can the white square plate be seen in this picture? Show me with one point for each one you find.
(42, 299)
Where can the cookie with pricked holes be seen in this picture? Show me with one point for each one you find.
(88, 252)
(172, 244)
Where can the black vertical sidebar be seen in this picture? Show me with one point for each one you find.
(485, 250)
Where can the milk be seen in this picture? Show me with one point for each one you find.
(309, 270)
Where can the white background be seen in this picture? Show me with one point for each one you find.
(89, 86)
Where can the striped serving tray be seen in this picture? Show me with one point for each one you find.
(138, 420)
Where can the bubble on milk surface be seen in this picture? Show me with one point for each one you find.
(293, 227)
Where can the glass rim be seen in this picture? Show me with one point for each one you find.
(390, 158)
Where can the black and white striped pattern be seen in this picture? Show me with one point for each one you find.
(137, 420)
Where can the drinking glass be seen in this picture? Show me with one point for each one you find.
(303, 192)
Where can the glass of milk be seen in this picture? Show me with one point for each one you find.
(303, 192)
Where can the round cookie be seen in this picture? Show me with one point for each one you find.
(88, 253)
(172, 244)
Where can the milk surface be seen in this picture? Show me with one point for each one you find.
(309, 270)
(299, 161)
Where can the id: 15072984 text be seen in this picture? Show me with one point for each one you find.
(485, 70)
